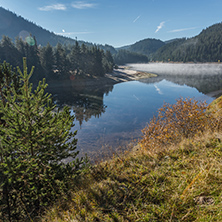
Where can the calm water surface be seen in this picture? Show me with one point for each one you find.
(125, 111)
(111, 116)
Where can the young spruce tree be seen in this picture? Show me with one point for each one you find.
(35, 138)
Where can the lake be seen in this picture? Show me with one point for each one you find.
(109, 117)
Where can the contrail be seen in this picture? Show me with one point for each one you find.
(136, 18)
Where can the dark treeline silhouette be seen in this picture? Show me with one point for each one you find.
(56, 63)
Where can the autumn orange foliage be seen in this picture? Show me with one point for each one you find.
(184, 119)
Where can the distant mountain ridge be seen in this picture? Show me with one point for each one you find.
(12, 25)
(205, 47)
(146, 46)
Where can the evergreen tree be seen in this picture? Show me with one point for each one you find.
(108, 62)
(31, 52)
(9, 51)
(85, 58)
(97, 68)
(47, 61)
(35, 140)
(61, 63)
(75, 58)
(58, 62)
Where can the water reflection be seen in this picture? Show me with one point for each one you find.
(85, 101)
(206, 77)
(203, 83)
(109, 116)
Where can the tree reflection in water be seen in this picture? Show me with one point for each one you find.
(205, 84)
(85, 100)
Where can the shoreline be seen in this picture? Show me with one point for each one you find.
(125, 74)
(119, 75)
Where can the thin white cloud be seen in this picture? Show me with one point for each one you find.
(82, 5)
(72, 33)
(181, 30)
(53, 7)
(136, 18)
(160, 26)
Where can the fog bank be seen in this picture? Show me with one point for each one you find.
(179, 69)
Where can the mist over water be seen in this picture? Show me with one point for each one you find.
(180, 69)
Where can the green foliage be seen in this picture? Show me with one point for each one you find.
(205, 47)
(57, 63)
(35, 138)
(146, 46)
(169, 51)
(125, 56)
(47, 60)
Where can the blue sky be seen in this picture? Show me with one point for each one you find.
(120, 22)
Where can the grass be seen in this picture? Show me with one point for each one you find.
(180, 182)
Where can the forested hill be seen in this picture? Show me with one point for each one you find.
(146, 46)
(12, 26)
(205, 47)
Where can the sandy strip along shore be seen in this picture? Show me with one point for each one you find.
(124, 74)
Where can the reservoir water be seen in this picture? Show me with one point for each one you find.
(108, 117)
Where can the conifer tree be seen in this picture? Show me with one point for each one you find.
(61, 62)
(47, 60)
(34, 142)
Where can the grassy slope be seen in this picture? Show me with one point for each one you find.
(180, 183)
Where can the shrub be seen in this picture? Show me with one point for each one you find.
(186, 118)
(35, 138)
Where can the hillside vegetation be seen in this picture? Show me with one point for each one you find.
(164, 179)
(147, 46)
(139, 52)
(13, 26)
(62, 62)
(205, 47)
